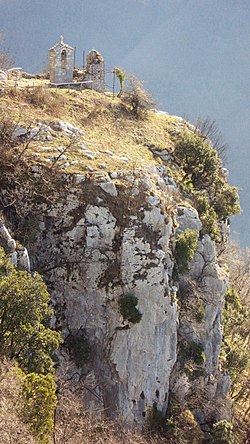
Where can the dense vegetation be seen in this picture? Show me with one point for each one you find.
(205, 179)
(26, 337)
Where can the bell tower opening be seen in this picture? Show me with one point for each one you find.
(63, 58)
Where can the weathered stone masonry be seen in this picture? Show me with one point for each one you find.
(61, 67)
(61, 61)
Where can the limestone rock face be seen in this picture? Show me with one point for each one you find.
(18, 256)
(103, 240)
(201, 295)
(94, 254)
(188, 217)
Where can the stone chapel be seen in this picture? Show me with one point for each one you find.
(61, 62)
(62, 65)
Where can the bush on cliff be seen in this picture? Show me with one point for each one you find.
(192, 351)
(24, 313)
(25, 337)
(202, 166)
(198, 160)
(128, 309)
(225, 201)
(185, 247)
(39, 394)
(235, 355)
(78, 347)
(223, 433)
(207, 216)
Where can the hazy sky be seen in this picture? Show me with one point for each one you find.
(192, 54)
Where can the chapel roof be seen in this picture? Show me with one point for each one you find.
(62, 44)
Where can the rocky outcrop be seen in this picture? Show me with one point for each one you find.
(113, 235)
(201, 293)
(16, 252)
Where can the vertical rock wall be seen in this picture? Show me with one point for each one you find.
(110, 235)
(99, 243)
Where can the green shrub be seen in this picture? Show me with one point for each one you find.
(207, 216)
(25, 336)
(38, 348)
(198, 160)
(192, 351)
(223, 433)
(24, 312)
(202, 166)
(6, 265)
(226, 201)
(128, 309)
(188, 430)
(232, 298)
(39, 394)
(79, 348)
(235, 356)
(185, 247)
(200, 310)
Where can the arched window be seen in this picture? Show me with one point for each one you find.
(63, 58)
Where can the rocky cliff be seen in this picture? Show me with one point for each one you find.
(108, 237)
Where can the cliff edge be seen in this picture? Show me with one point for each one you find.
(124, 217)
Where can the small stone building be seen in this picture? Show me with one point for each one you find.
(95, 70)
(61, 63)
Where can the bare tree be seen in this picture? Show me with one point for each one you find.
(238, 262)
(137, 97)
(6, 61)
(208, 129)
(236, 336)
(75, 425)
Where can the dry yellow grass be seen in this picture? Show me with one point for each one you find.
(12, 429)
(73, 425)
(106, 123)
